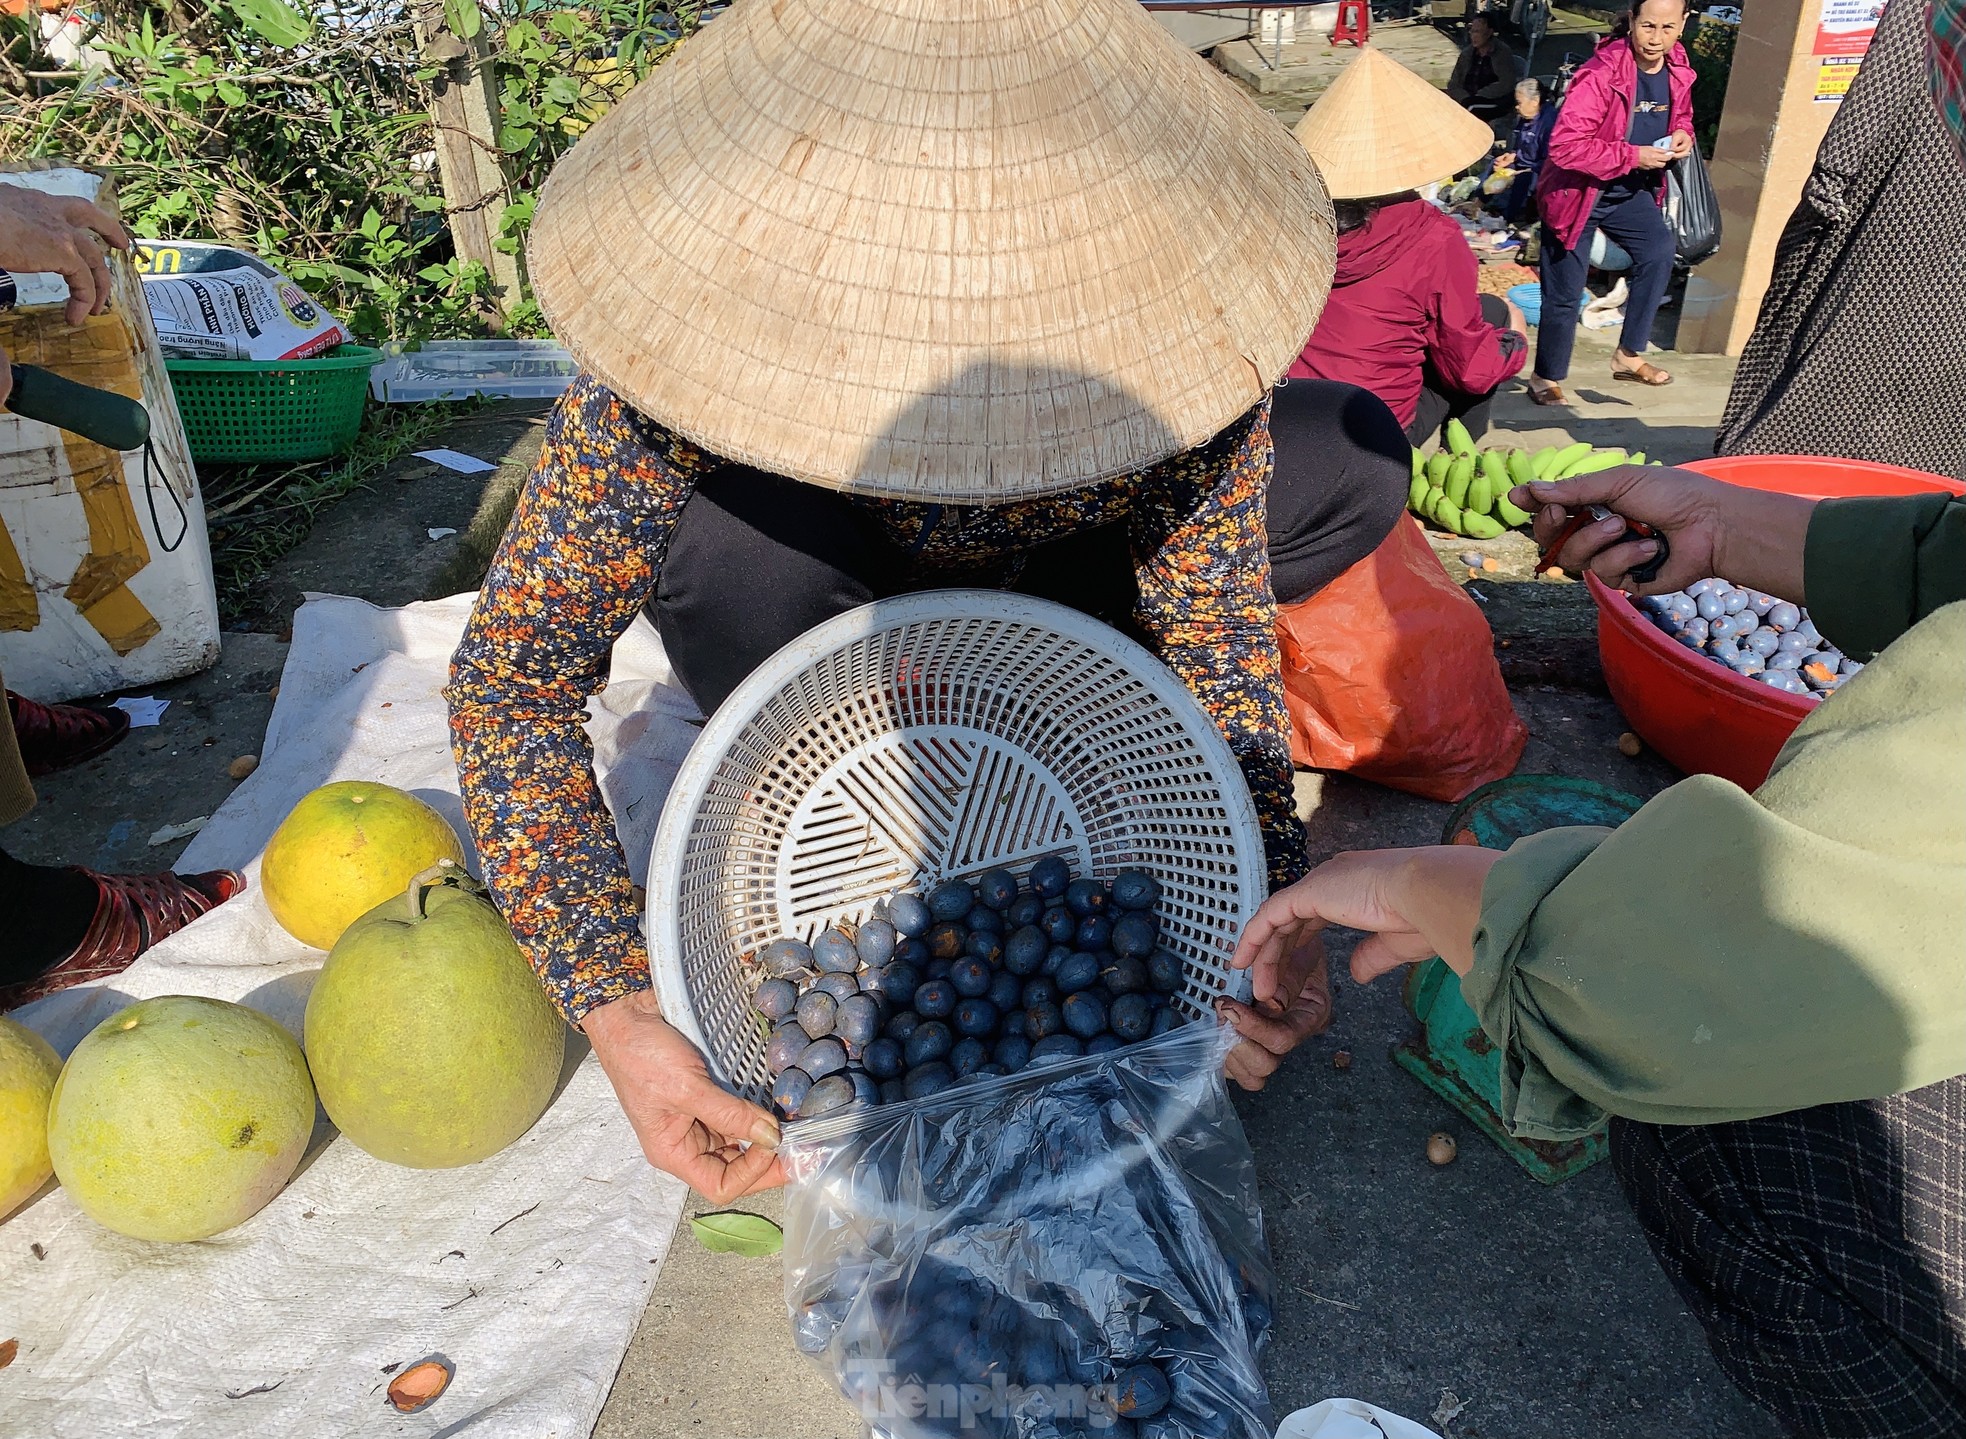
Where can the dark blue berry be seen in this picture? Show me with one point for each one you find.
(790, 1090)
(776, 998)
(930, 1042)
(1131, 1017)
(951, 899)
(927, 1079)
(875, 941)
(785, 958)
(1013, 1052)
(1085, 1013)
(1094, 933)
(817, 1011)
(1086, 896)
(936, 999)
(969, 1055)
(1136, 935)
(976, 1017)
(823, 1057)
(997, 888)
(1006, 990)
(909, 915)
(971, 976)
(884, 1058)
(834, 953)
(1059, 924)
(1042, 1021)
(1049, 877)
(1081, 971)
(1135, 889)
(1056, 1046)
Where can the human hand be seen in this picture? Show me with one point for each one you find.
(1682, 145)
(1650, 157)
(1505, 160)
(1292, 997)
(688, 1125)
(1753, 537)
(1411, 903)
(64, 235)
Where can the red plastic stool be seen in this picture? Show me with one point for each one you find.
(1354, 23)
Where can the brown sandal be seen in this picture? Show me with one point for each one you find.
(56, 737)
(1551, 394)
(1642, 373)
(133, 912)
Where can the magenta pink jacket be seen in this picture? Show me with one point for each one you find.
(1406, 294)
(1588, 146)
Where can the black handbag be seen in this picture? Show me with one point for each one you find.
(1692, 209)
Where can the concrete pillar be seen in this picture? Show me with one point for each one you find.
(1785, 58)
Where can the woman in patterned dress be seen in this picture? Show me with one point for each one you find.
(852, 329)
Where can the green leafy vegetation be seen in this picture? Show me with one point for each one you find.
(302, 131)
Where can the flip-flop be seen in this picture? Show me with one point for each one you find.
(1645, 374)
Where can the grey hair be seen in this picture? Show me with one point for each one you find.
(1528, 87)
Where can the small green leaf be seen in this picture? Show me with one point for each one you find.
(274, 21)
(751, 1235)
(463, 17)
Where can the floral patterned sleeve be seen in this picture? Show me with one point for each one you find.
(581, 555)
(1201, 551)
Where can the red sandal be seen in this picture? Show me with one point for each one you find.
(133, 912)
(55, 737)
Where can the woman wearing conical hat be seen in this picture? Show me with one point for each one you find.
(881, 297)
(1405, 318)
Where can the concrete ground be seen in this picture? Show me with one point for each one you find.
(1539, 1309)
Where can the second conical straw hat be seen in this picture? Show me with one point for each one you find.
(1380, 129)
(961, 250)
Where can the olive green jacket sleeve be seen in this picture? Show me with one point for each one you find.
(1724, 955)
(1874, 567)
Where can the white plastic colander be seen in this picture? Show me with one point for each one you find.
(926, 737)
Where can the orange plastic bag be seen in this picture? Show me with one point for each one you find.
(1389, 673)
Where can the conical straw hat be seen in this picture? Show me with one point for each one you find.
(1381, 129)
(962, 250)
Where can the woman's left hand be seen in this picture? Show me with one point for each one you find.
(1292, 996)
(1411, 903)
(1682, 144)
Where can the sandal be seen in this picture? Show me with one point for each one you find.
(1550, 394)
(133, 912)
(56, 737)
(1641, 374)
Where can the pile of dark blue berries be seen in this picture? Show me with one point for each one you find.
(962, 982)
(1755, 635)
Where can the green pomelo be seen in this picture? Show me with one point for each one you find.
(180, 1117)
(28, 1069)
(431, 1042)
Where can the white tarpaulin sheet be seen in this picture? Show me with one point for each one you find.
(528, 1271)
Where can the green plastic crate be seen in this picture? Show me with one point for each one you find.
(253, 411)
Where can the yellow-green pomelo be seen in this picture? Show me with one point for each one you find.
(180, 1117)
(343, 850)
(28, 1066)
(429, 1037)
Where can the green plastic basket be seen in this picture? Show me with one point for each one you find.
(253, 411)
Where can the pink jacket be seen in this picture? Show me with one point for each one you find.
(1588, 146)
(1406, 295)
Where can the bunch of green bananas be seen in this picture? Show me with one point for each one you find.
(1466, 491)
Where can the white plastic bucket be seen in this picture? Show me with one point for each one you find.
(105, 572)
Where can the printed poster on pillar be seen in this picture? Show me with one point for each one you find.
(1843, 36)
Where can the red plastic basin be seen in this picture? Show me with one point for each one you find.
(1697, 713)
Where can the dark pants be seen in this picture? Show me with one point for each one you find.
(1824, 1251)
(757, 560)
(1640, 227)
(1441, 402)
